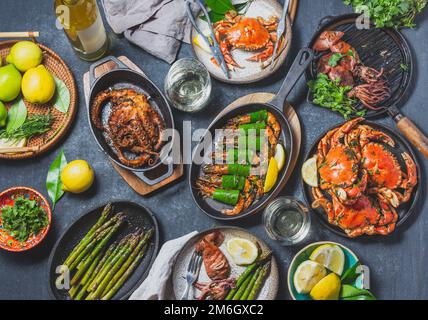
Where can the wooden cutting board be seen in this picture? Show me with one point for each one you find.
(290, 113)
(138, 185)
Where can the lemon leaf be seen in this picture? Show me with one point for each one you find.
(16, 115)
(53, 179)
(62, 96)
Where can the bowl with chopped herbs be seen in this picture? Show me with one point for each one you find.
(25, 218)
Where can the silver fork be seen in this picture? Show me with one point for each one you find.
(192, 273)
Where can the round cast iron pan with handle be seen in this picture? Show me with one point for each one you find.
(137, 216)
(213, 208)
(119, 78)
(378, 48)
(404, 211)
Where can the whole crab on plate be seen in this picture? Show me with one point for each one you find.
(367, 178)
(246, 39)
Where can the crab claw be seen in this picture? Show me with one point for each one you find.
(264, 55)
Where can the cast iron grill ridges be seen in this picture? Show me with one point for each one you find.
(377, 48)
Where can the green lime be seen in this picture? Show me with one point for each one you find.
(3, 115)
(10, 83)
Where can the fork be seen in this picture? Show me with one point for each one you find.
(192, 273)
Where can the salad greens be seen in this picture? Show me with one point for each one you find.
(390, 13)
(24, 218)
(329, 94)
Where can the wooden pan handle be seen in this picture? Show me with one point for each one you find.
(25, 34)
(413, 134)
(19, 149)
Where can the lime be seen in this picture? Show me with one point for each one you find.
(271, 175)
(25, 55)
(280, 156)
(328, 288)
(330, 256)
(3, 115)
(310, 172)
(38, 85)
(77, 176)
(243, 251)
(10, 83)
(307, 275)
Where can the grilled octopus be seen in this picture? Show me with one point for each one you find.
(133, 125)
(215, 262)
(215, 290)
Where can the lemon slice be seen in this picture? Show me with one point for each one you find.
(330, 256)
(307, 275)
(201, 43)
(280, 156)
(243, 251)
(310, 172)
(271, 175)
(8, 143)
(327, 288)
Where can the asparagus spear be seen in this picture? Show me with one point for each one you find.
(122, 258)
(250, 285)
(104, 214)
(73, 290)
(107, 254)
(124, 277)
(88, 273)
(259, 282)
(249, 270)
(86, 250)
(142, 246)
(99, 247)
(242, 288)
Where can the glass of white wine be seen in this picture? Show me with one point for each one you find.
(188, 85)
(287, 220)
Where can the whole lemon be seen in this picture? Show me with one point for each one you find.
(10, 83)
(3, 115)
(38, 85)
(77, 176)
(25, 55)
(328, 288)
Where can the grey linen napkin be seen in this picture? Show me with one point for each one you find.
(157, 26)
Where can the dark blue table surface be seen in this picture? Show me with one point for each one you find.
(397, 262)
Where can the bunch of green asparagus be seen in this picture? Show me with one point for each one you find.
(251, 280)
(100, 269)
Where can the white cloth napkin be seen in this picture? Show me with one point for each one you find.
(155, 285)
(157, 26)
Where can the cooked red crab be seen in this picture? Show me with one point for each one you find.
(249, 34)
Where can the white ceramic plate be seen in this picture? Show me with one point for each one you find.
(252, 71)
(267, 292)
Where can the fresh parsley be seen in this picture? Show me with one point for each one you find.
(25, 218)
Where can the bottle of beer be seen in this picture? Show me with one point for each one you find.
(81, 21)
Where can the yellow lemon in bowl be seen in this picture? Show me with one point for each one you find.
(328, 288)
(25, 55)
(77, 176)
(38, 85)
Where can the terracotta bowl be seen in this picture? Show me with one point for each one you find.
(6, 198)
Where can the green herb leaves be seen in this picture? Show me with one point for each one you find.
(218, 8)
(329, 94)
(336, 57)
(390, 13)
(62, 96)
(23, 219)
(16, 115)
(53, 179)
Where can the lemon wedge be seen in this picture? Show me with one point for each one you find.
(307, 275)
(280, 156)
(243, 251)
(201, 43)
(271, 175)
(327, 288)
(330, 256)
(310, 172)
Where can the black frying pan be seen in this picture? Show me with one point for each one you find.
(378, 48)
(137, 216)
(212, 207)
(123, 77)
(404, 211)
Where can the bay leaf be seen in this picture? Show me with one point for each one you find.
(62, 96)
(53, 179)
